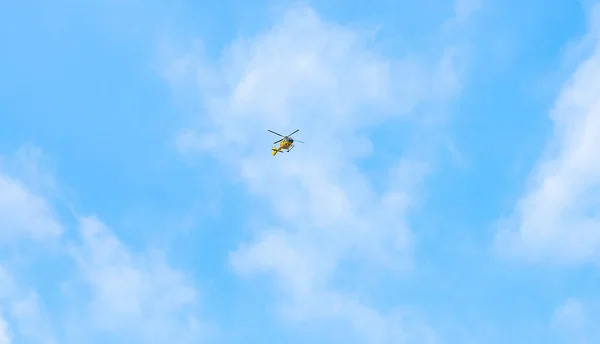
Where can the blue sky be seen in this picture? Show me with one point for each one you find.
(446, 192)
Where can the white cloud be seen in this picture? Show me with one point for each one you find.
(137, 295)
(324, 79)
(24, 213)
(5, 337)
(576, 321)
(32, 323)
(558, 220)
(23, 306)
(463, 9)
(570, 315)
(134, 296)
(32, 167)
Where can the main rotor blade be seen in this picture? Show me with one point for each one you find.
(298, 141)
(294, 132)
(275, 133)
(276, 142)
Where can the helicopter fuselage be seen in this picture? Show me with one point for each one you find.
(285, 144)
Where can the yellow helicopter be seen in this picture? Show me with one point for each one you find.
(286, 142)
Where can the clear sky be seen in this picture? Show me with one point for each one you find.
(447, 190)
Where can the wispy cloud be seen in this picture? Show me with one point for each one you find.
(576, 321)
(326, 80)
(136, 295)
(5, 337)
(570, 315)
(464, 9)
(24, 213)
(114, 290)
(22, 306)
(557, 220)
